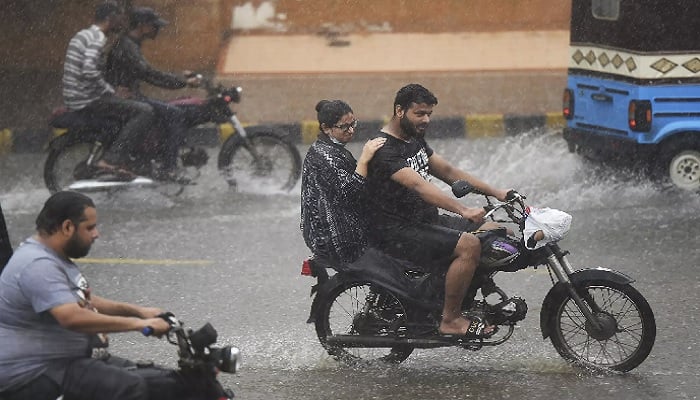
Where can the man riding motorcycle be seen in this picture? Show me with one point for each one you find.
(53, 325)
(404, 207)
(127, 67)
(85, 90)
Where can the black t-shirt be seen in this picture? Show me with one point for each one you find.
(391, 200)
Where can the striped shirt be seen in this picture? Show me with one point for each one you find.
(83, 80)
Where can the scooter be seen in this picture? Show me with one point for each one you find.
(261, 154)
(380, 308)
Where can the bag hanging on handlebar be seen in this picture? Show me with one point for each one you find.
(553, 223)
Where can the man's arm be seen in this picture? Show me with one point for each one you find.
(73, 317)
(118, 308)
(446, 172)
(433, 195)
(134, 59)
(91, 63)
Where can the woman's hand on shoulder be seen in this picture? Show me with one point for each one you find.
(370, 148)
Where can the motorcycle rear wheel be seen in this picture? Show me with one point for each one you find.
(358, 308)
(628, 334)
(67, 158)
(264, 158)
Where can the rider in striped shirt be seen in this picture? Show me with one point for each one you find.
(86, 91)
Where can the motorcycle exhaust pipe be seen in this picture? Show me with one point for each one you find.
(383, 342)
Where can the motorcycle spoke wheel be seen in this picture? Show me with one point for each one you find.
(65, 164)
(266, 160)
(360, 309)
(625, 339)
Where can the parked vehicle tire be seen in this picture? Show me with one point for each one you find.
(679, 163)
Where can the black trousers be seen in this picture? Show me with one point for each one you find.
(138, 116)
(88, 379)
(172, 119)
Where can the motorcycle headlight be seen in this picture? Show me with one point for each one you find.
(228, 359)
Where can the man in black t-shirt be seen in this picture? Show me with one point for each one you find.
(406, 222)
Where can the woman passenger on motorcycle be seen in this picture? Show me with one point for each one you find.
(333, 219)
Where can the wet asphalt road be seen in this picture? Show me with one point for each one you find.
(233, 259)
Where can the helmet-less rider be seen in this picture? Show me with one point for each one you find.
(404, 207)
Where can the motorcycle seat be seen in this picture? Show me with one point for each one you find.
(63, 118)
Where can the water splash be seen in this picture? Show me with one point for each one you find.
(540, 166)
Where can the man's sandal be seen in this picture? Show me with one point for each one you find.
(475, 330)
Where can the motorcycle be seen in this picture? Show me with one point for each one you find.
(258, 153)
(199, 363)
(380, 308)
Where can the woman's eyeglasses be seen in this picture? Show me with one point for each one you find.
(346, 127)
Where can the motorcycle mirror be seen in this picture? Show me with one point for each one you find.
(233, 93)
(461, 188)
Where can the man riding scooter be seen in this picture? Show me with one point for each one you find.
(127, 67)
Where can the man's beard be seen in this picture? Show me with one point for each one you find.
(409, 129)
(75, 248)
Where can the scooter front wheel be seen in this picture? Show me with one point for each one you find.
(361, 310)
(625, 331)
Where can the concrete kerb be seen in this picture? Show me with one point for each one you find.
(305, 132)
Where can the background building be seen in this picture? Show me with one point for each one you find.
(35, 34)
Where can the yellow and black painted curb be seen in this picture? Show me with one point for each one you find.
(305, 132)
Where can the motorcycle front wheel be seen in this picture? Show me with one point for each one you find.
(626, 332)
(362, 310)
(66, 162)
(263, 159)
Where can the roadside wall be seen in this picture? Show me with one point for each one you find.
(36, 32)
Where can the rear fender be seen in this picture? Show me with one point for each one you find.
(559, 291)
(321, 291)
(678, 129)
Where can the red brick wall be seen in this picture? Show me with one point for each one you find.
(429, 15)
(35, 32)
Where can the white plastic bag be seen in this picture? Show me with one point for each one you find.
(553, 223)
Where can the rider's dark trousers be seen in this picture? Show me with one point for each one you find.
(172, 119)
(139, 117)
(41, 388)
(88, 379)
(113, 379)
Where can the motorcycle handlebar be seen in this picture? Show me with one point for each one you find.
(168, 317)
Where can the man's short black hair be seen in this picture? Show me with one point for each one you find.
(414, 93)
(62, 206)
(106, 10)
